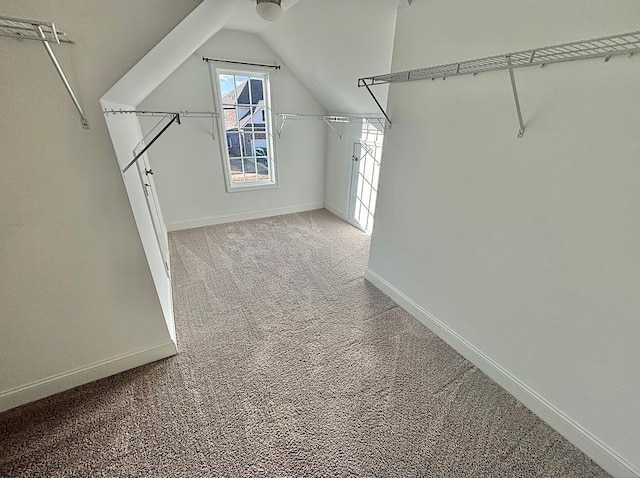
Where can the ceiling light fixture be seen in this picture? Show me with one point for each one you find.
(270, 10)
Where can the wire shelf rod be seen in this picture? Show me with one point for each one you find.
(345, 115)
(605, 47)
(46, 33)
(29, 30)
(192, 114)
(328, 119)
(212, 115)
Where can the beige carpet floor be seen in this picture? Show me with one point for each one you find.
(291, 365)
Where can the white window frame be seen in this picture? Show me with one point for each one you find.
(269, 126)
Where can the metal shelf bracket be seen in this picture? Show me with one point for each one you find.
(328, 123)
(46, 33)
(283, 120)
(174, 119)
(164, 114)
(515, 97)
(363, 82)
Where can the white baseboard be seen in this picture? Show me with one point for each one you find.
(607, 458)
(213, 220)
(335, 211)
(80, 376)
(343, 215)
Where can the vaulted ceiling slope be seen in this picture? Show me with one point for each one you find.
(146, 75)
(328, 45)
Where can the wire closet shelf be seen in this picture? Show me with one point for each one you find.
(46, 33)
(173, 117)
(604, 47)
(623, 44)
(159, 114)
(31, 30)
(329, 119)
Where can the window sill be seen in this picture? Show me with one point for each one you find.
(254, 186)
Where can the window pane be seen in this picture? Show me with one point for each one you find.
(250, 170)
(241, 94)
(245, 122)
(233, 144)
(264, 171)
(245, 144)
(230, 116)
(237, 173)
(243, 115)
(239, 79)
(257, 119)
(226, 85)
(256, 92)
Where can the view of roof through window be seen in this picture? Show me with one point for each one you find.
(245, 123)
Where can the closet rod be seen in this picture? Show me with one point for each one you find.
(339, 118)
(277, 67)
(603, 47)
(176, 116)
(328, 119)
(192, 114)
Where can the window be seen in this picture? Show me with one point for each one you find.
(246, 121)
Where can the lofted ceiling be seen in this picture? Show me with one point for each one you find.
(328, 45)
(245, 18)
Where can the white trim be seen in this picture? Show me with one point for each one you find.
(245, 216)
(253, 186)
(125, 132)
(272, 153)
(80, 376)
(343, 215)
(336, 212)
(558, 420)
(191, 33)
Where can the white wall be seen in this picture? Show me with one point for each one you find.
(337, 42)
(209, 18)
(187, 166)
(525, 251)
(77, 299)
(332, 43)
(126, 134)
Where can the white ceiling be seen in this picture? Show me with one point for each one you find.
(328, 45)
(246, 19)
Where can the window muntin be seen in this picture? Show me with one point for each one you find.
(246, 122)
